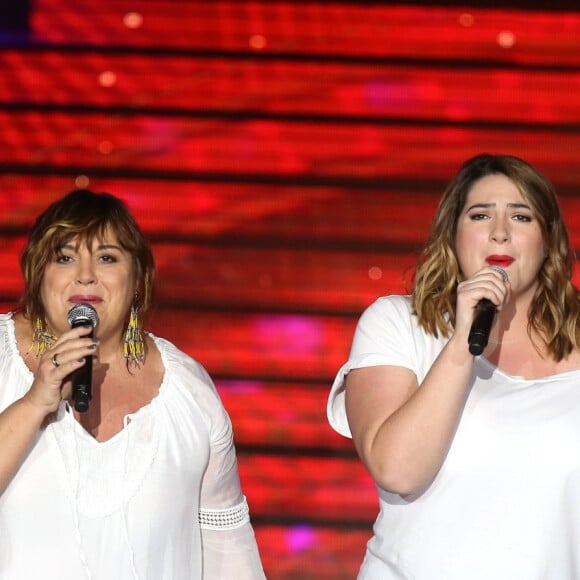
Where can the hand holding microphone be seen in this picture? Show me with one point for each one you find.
(82, 378)
(483, 321)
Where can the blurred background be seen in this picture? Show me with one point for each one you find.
(285, 159)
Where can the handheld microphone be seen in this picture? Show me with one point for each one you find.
(82, 378)
(483, 321)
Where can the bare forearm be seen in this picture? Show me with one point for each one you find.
(19, 424)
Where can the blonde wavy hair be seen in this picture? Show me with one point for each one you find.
(555, 309)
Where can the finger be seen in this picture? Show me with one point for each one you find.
(79, 345)
(54, 360)
(484, 284)
(494, 275)
(501, 272)
(74, 334)
(66, 361)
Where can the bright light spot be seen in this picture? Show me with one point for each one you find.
(466, 19)
(82, 182)
(133, 20)
(107, 79)
(300, 538)
(375, 273)
(291, 335)
(105, 147)
(506, 39)
(258, 41)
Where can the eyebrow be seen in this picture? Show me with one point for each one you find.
(100, 247)
(515, 205)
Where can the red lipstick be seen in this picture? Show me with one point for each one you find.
(499, 260)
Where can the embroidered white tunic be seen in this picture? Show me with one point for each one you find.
(128, 508)
(506, 502)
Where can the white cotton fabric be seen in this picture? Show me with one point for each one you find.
(127, 508)
(506, 502)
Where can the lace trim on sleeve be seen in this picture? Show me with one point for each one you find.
(227, 519)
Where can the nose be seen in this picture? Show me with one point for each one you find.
(85, 272)
(499, 232)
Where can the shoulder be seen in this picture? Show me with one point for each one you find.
(7, 329)
(186, 379)
(389, 333)
(184, 371)
(392, 312)
(6, 320)
(179, 362)
(16, 376)
(393, 305)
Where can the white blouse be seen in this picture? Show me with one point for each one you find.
(161, 500)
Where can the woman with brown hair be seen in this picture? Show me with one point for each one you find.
(475, 457)
(136, 479)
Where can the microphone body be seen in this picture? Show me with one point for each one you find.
(483, 321)
(82, 378)
(481, 326)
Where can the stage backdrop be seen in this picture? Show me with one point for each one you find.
(285, 159)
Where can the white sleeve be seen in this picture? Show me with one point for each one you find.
(228, 541)
(384, 336)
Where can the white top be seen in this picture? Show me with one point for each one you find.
(506, 502)
(161, 500)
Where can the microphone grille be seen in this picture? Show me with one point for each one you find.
(83, 313)
(501, 271)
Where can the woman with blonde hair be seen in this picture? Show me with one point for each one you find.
(474, 457)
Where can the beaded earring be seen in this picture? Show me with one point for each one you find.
(42, 340)
(134, 346)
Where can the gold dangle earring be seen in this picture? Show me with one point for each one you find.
(42, 340)
(134, 346)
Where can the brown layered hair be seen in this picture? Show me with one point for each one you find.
(555, 309)
(84, 216)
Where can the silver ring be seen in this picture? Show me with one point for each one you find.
(54, 361)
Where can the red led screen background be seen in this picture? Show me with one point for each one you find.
(284, 159)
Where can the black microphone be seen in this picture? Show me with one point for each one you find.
(82, 378)
(483, 321)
